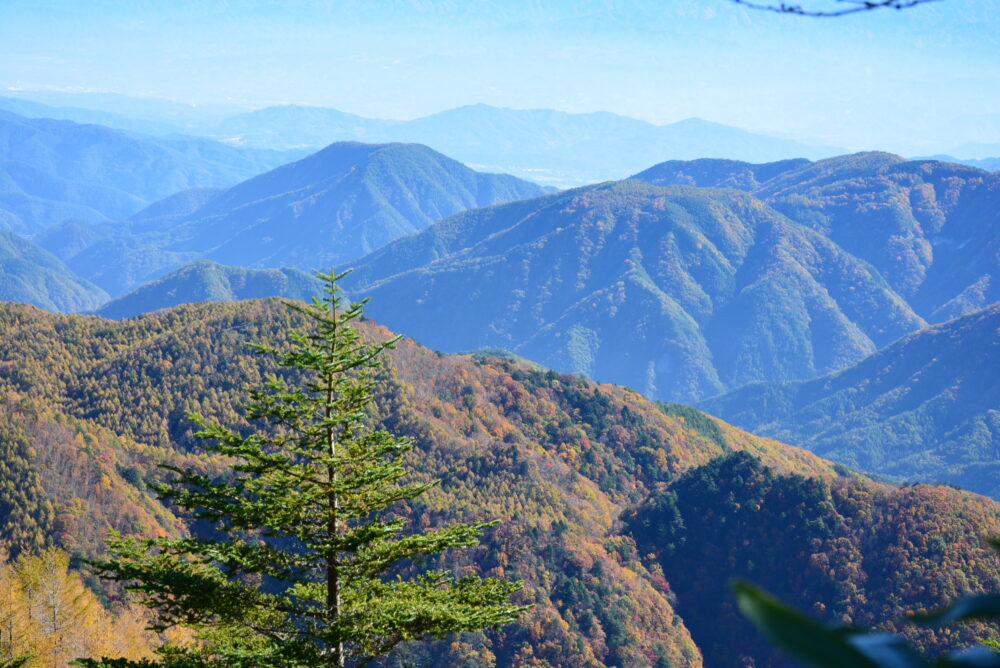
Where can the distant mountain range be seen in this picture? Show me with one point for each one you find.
(83, 115)
(53, 170)
(548, 146)
(157, 113)
(925, 408)
(551, 147)
(683, 292)
(329, 208)
(989, 164)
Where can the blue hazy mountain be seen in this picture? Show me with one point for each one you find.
(677, 291)
(32, 109)
(923, 408)
(328, 208)
(549, 146)
(53, 170)
(178, 205)
(977, 150)
(30, 274)
(157, 112)
(207, 281)
(294, 126)
(989, 164)
(552, 147)
(931, 229)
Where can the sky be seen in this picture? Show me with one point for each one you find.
(916, 81)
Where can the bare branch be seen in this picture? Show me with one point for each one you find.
(845, 6)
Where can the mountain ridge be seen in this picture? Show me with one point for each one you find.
(930, 228)
(330, 207)
(553, 147)
(30, 274)
(923, 408)
(695, 261)
(54, 169)
(557, 148)
(208, 281)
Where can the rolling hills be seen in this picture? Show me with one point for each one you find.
(330, 207)
(679, 292)
(557, 458)
(924, 408)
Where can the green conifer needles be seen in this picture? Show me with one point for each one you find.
(307, 562)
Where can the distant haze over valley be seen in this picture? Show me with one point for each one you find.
(551, 147)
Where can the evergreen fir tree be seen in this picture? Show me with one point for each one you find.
(307, 568)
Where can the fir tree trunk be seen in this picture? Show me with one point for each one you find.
(332, 574)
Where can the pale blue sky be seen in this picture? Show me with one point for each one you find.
(914, 81)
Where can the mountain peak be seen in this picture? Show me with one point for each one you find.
(333, 206)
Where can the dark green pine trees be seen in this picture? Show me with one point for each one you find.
(307, 567)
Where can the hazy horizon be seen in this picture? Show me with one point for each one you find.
(917, 81)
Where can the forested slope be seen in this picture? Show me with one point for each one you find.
(679, 292)
(931, 228)
(557, 458)
(207, 281)
(925, 408)
(30, 274)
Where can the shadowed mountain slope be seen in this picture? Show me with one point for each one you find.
(924, 408)
(678, 292)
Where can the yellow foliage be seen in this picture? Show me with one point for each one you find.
(46, 610)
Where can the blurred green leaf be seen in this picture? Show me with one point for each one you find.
(886, 650)
(798, 635)
(982, 606)
(976, 657)
(17, 661)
